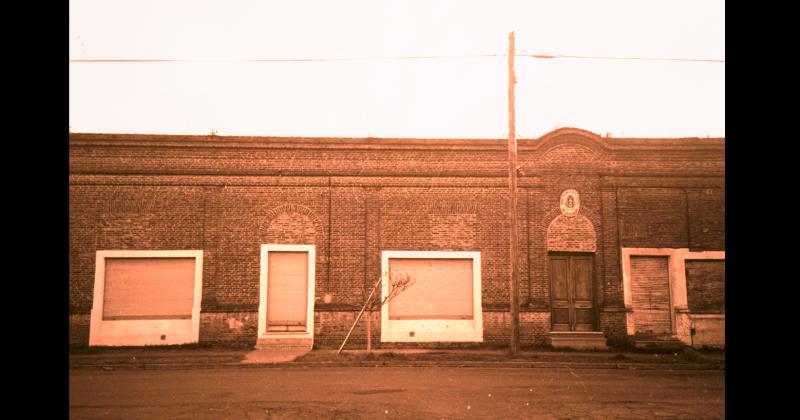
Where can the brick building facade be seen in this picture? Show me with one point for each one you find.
(621, 240)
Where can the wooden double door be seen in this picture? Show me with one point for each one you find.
(571, 292)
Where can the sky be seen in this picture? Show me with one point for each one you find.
(460, 97)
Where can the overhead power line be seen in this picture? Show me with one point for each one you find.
(410, 57)
(607, 57)
(285, 60)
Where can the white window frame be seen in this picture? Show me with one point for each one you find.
(263, 290)
(433, 330)
(146, 331)
(679, 307)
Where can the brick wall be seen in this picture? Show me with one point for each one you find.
(571, 234)
(354, 198)
(331, 327)
(79, 330)
(653, 218)
(707, 219)
(238, 329)
(348, 237)
(242, 218)
(610, 278)
(124, 217)
(453, 231)
(613, 324)
(533, 328)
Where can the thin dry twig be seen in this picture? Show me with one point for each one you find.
(399, 283)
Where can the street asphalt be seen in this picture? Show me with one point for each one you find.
(285, 391)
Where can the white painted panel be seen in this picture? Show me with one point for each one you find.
(148, 297)
(450, 321)
(287, 288)
(440, 289)
(148, 288)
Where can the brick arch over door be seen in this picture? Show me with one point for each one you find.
(571, 234)
(293, 224)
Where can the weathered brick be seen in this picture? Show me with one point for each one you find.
(353, 198)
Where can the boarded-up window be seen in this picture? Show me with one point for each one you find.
(287, 291)
(441, 289)
(705, 286)
(148, 288)
(650, 293)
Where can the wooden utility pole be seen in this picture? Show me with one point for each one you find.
(512, 207)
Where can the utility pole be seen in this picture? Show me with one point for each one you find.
(512, 206)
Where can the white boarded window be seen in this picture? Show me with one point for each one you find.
(440, 288)
(442, 302)
(149, 288)
(287, 291)
(146, 297)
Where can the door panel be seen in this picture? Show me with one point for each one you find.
(581, 270)
(559, 270)
(287, 291)
(584, 319)
(561, 318)
(582, 278)
(650, 295)
(560, 293)
(571, 293)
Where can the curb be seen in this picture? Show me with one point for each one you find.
(421, 364)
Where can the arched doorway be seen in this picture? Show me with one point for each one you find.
(571, 245)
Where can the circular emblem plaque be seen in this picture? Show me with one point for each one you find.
(570, 202)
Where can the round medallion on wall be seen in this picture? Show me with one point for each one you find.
(570, 202)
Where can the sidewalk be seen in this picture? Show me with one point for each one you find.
(213, 358)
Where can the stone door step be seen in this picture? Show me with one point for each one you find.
(658, 342)
(279, 343)
(578, 340)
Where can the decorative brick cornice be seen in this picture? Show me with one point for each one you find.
(556, 137)
(574, 150)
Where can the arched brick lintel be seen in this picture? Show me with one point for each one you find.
(571, 234)
(284, 228)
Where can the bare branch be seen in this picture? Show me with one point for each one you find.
(398, 283)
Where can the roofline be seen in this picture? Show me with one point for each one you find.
(567, 134)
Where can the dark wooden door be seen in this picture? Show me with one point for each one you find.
(572, 307)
